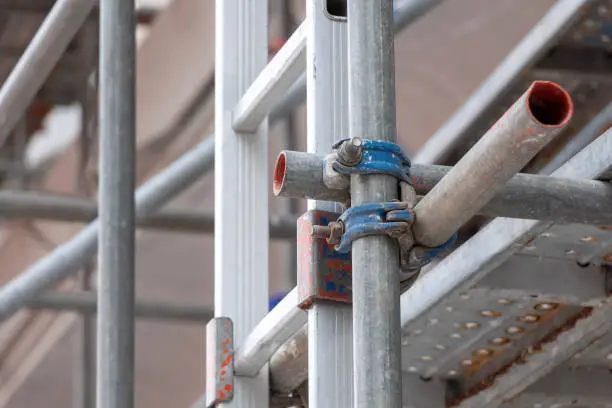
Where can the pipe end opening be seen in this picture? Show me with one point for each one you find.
(550, 104)
(280, 170)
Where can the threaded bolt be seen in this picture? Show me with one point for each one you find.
(349, 152)
(320, 232)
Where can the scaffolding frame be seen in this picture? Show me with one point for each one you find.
(247, 89)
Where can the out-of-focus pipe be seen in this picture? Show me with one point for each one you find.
(530, 124)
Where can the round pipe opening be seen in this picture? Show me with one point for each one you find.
(549, 104)
(280, 170)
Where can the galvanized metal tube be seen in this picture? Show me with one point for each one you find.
(24, 204)
(84, 383)
(534, 120)
(40, 57)
(525, 196)
(299, 174)
(376, 313)
(116, 276)
(86, 303)
(289, 365)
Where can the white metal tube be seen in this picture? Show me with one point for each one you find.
(330, 326)
(262, 342)
(272, 83)
(241, 184)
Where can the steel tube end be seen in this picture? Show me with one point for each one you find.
(549, 104)
(280, 170)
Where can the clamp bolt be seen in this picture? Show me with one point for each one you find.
(349, 152)
(332, 232)
(320, 232)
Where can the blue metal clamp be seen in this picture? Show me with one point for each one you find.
(377, 157)
(390, 218)
(432, 253)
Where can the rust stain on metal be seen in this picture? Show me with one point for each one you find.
(523, 357)
(478, 362)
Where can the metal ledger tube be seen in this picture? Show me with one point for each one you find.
(86, 303)
(525, 196)
(530, 124)
(300, 175)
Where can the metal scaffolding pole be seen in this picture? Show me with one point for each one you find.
(19, 204)
(376, 307)
(86, 303)
(40, 57)
(330, 326)
(116, 277)
(84, 392)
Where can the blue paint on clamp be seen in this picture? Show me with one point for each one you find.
(378, 157)
(433, 253)
(388, 218)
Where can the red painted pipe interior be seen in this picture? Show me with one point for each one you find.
(549, 104)
(279, 173)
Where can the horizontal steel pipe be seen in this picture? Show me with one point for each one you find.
(300, 175)
(86, 303)
(539, 115)
(536, 197)
(69, 257)
(22, 204)
(524, 196)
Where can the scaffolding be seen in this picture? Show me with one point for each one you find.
(393, 306)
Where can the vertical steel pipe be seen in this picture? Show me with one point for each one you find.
(539, 115)
(84, 388)
(40, 57)
(115, 365)
(376, 312)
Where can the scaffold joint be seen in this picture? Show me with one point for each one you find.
(363, 156)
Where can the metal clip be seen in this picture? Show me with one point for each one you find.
(391, 218)
(413, 258)
(356, 156)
